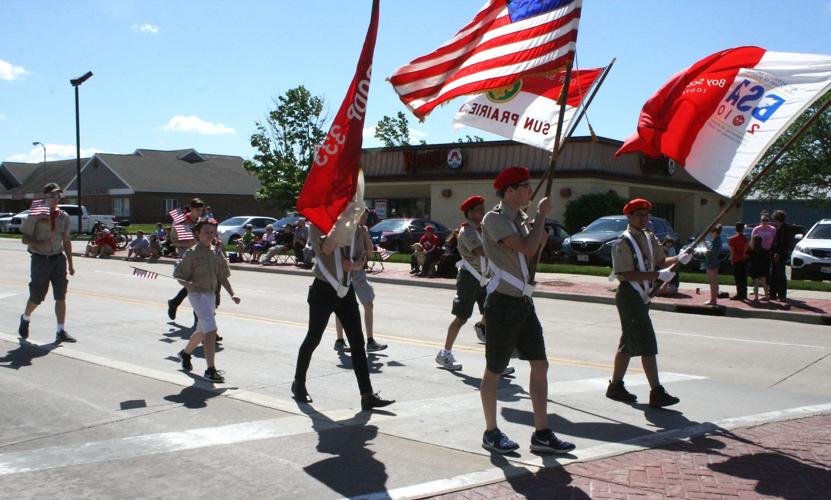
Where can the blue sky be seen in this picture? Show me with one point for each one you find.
(172, 74)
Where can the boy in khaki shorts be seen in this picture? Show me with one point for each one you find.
(202, 271)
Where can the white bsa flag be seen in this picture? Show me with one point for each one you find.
(527, 111)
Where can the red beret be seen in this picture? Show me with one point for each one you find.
(511, 175)
(472, 202)
(637, 204)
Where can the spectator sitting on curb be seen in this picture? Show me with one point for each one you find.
(139, 248)
(155, 247)
(268, 240)
(159, 232)
(102, 246)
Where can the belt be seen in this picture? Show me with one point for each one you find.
(47, 257)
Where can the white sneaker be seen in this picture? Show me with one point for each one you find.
(446, 360)
(480, 332)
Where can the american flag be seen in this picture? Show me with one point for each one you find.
(382, 252)
(142, 273)
(506, 40)
(183, 233)
(177, 215)
(39, 207)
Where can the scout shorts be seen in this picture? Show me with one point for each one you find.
(204, 305)
(362, 286)
(512, 323)
(45, 270)
(468, 293)
(638, 335)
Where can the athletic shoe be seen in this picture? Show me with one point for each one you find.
(480, 332)
(171, 310)
(375, 401)
(299, 393)
(373, 346)
(497, 442)
(546, 442)
(62, 336)
(659, 397)
(508, 371)
(186, 364)
(340, 346)
(618, 392)
(215, 376)
(446, 360)
(219, 339)
(23, 329)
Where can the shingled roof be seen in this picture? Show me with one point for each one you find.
(40, 174)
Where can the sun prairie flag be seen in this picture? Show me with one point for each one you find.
(505, 41)
(527, 111)
(333, 186)
(718, 117)
(39, 207)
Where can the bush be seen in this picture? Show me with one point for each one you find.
(585, 209)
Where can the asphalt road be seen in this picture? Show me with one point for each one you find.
(111, 416)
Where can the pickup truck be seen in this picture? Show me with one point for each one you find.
(87, 220)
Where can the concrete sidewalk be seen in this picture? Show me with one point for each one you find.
(789, 459)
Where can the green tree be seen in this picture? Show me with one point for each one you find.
(803, 172)
(393, 131)
(285, 146)
(468, 138)
(585, 209)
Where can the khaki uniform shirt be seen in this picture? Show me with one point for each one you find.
(316, 238)
(470, 238)
(40, 228)
(203, 267)
(497, 225)
(623, 259)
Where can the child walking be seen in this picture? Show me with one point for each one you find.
(202, 270)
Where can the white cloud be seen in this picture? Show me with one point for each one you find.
(9, 71)
(417, 135)
(146, 28)
(369, 133)
(180, 123)
(53, 152)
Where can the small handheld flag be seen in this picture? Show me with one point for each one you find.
(177, 215)
(143, 273)
(183, 233)
(39, 207)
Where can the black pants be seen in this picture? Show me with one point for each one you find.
(180, 297)
(427, 268)
(323, 301)
(740, 274)
(778, 280)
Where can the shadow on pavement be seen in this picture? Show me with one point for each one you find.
(546, 483)
(197, 395)
(178, 331)
(23, 355)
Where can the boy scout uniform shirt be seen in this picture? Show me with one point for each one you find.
(40, 228)
(203, 268)
(469, 240)
(497, 225)
(316, 238)
(623, 259)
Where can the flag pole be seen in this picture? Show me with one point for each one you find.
(734, 201)
(163, 275)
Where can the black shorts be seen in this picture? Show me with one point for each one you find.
(46, 270)
(512, 323)
(468, 293)
(638, 335)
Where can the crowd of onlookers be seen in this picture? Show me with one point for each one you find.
(433, 258)
(264, 250)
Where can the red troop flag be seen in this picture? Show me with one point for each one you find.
(718, 117)
(334, 179)
(507, 40)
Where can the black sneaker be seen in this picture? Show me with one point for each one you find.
(214, 375)
(171, 310)
(547, 442)
(186, 364)
(300, 394)
(497, 442)
(618, 392)
(373, 346)
(219, 339)
(375, 401)
(659, 397)
(62, 336)
(340, 346)
(23, 329)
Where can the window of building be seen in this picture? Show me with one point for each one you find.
(169, 205)
(121, 207)
(405, 207)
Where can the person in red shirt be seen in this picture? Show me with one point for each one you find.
(431, 245)
(102, 246)
(739, 256)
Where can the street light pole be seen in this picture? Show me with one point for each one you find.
(77, 83)
(37, 143)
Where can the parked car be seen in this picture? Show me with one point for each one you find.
(811, 258)
(553, 250)
(593, 244)
(11, 224)
(232, 229)
(727, 232)
(5, 221)
(285, 221)
(399, 234)
(87, 220)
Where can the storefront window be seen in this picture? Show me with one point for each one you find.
(403, 207)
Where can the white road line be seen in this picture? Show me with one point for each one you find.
(7, 295)
(750, 341)
(490, 476)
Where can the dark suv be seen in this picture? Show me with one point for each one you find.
(399, 234)
(593, 244)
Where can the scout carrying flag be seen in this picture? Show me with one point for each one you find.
(505, 41)
(333, 191)
(718, 117)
